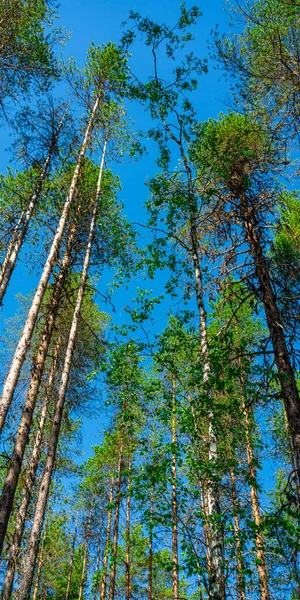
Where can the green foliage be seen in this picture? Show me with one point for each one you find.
(264, 58)
(57, 551)
(232, 148)
(26, 49)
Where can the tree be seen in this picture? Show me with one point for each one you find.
(263, 60)
(235, 156)
(27, 49)
(103, 69)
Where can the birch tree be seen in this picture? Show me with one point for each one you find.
(108, 65)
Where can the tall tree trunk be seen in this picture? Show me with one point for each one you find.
(11, 481)
(128, 584)
(256, 513)
(33, 543)
(216, 576)
(113, 569)
(22, 226)
(29, 479)
(150, 553)
(85, 556)
(39, 569)
(107, 542)
(237, 533)
(292, 460)
(96, 588)
(286, 373)
(175, 566)
(20, 353)
(71, 559)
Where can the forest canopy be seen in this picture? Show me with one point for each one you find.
(149, 295)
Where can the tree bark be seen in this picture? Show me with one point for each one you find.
(22, 226)
(128, 515)
(12, 477)
(286, 373)
(150, 554)
(113, 569)
(72, 559)
(216, 575)
(107, 541)
(39, 569)
(256, 514)
(95, 587)
(33, 542)
(29, 479)
(237, 533)
(175, 566)
(85, 555)
(20, 353)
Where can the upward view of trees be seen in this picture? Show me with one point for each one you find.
(190, 490)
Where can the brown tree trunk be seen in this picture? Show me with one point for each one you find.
(11, 481)
(150, 554)
(237, 533)
(286, 373)
(107, 542)
(71, 559)
(39, 569)
(22, 226)
(29, 562)
(256, 514)
(20, 353)
(216, 575)
(127, 557)
(97, 565)
(29, 479)
(85, 555)
(175, 566)
(113, 569)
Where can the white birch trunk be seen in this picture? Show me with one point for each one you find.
(216, 576)
(21, 229)
(23, 592)
(12, 476)
(19, 357)
(30, 475)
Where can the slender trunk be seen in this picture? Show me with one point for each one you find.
(202, 486)
(22, 226)
(95, 587)
(204, 509)
(128, 515)
(29, 562)
(216, 575)
(175, 574)
(237, 533)
(107, 542)
(150, 554)
(85, 555)
(39, 569)
(256, 514)
(293, 462)
(29, 479)
(11, 481)
(113, 569)
(71, 559)
(286, 373)
(20, 353)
